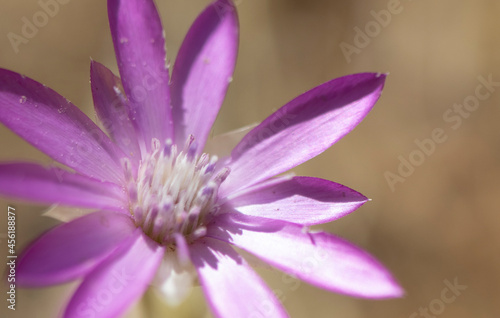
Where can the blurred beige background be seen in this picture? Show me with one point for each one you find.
(440, 224)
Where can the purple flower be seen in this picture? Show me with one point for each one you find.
(164, 212)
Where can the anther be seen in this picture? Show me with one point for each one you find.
(138, 214)
(175, 192)
(222, 175)
(191, 152)
(211, 166)
(157, 226)
(199, 232)
(167, 150)
(150, 218)
(132, 192)
(155, 146)
(127, 169)
(188, 144)
(182, 248)
(202, 161)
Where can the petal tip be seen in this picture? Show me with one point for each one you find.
(396, 292)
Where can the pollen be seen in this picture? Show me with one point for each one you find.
(174, 193)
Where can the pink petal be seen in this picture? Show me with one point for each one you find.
(300, 200)
(35, 183)
(140, 51)
(203, 71)
(231, 287)
(111, 106)
(72, 249)
(57, 127)
(320, 259)
(302, 129)
(118, 281)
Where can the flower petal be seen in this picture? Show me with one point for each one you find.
(320, 259)
(203, 70)
(117, 282)
(72, 249)
(57, 127)
(300, 200)
(140, 51)
(231, 287)
(35, 183)
(111, 106)
(302, 129)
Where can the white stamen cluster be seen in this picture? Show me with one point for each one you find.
(174, 192)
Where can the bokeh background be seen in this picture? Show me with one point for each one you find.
(441, 224)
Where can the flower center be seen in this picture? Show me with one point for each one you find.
(174, 193)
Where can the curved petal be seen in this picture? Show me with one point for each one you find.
(300, 200)
(57, 127)
(320, 259)
(72, 249)
(231, 287)
(35, 183)
(302, 129)
(203, 70)
(118, 281)
(111, 106)
(140, 51)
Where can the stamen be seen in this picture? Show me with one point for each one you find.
(202, 161)
(191, 153)
(150, 218)
(188, 144)
(193, 217)
(132, 192)
(211, 167)
(175, 193)
(138, 214)
(127, 169)
(167, 150)
(198, 233)
(155, 145)
(182, 249)
(222, 175)
(157, 226)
